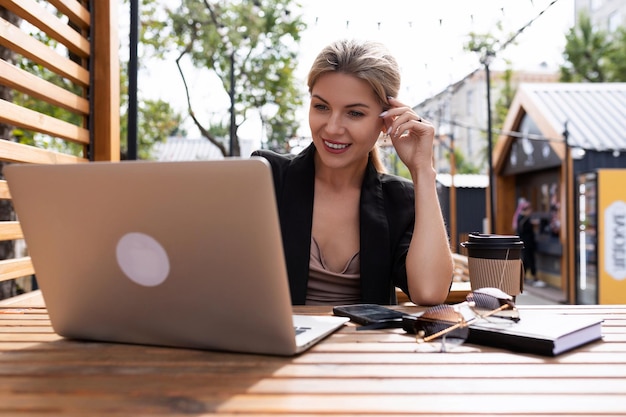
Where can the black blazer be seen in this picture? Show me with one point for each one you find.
(387, 217)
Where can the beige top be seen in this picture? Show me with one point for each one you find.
(326, 287)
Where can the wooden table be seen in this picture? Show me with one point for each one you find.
(351, 373)
(458, 292)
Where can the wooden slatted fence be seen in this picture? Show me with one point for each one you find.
(61, 56)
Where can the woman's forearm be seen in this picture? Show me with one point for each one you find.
(429, 261)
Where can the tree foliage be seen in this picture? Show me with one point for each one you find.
(462, 164)
(156, 121)
(486, 45)
(594, 55)
(617, 61)
(41, 106)
(156, 118)
(505, 98)
(252, 41)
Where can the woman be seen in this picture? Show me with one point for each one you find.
(351, 232)
(524, 228)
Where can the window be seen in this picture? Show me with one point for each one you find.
(595, 4)
(614, 21)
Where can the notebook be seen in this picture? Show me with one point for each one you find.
(538, 332)
(178, 254)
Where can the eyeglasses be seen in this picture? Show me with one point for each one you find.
(450, 323)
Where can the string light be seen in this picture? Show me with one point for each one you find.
(441, 21)
(428, 33)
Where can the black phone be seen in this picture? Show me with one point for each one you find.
(372, 316)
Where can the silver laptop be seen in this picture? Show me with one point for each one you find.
(180, 254)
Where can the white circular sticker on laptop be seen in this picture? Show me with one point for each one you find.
(142, 259)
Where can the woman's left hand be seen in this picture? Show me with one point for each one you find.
(411, 136)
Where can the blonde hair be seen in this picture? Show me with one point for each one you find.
(367, 60)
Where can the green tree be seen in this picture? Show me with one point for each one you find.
(156, 120)
(42, 106)
(249, 44)
(616, 65)
(486, 46)
(462, 164)
(589, 54)
(505, 98)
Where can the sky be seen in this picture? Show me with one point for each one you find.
(426, 37)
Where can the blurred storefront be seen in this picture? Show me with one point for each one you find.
(601, 237)
(554, 135)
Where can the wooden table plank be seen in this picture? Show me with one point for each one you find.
(213, 384)
(350, 373)
(353, 404)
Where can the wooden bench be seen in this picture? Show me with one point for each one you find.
(75, 53)
(461, 269)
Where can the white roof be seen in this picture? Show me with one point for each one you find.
(595, 113)
(185, 149)
(464, 180)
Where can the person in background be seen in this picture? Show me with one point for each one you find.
(524, 228)
(351, 232)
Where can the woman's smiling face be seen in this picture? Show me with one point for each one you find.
(344, 119)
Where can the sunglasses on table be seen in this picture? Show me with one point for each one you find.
(448, 324)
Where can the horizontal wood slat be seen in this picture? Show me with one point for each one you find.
(78, 37)
(36, 87)
(10, 230)
(16, 268)
(16, 152)
(74, 10)
(350, 373)
(13, 38)
(5, 194)
(15, 115)
(47, 22)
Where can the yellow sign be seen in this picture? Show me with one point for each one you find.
(611, 236)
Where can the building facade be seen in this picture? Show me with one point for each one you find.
(557, 133)
(608, 15)
(460, 114)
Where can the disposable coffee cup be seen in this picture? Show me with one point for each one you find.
(495, 261)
